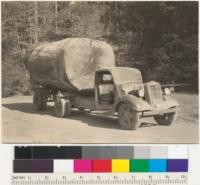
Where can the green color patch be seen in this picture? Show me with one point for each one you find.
(139, 165)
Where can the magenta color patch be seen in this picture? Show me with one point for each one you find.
(81, 165)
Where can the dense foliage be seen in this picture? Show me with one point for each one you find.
(159, 38)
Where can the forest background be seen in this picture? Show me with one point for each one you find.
(159, 38)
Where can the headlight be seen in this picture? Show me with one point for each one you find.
(141, 93)
(167, 91)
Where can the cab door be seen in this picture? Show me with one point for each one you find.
(104, 90)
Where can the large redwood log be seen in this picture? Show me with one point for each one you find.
(69, 64)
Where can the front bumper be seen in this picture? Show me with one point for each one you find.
(159, 112)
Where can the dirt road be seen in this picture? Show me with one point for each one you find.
(21, 124)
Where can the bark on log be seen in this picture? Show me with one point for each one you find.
(69, 64)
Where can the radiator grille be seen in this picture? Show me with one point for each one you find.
(155, 94)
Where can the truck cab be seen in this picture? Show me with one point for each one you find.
(121, 90)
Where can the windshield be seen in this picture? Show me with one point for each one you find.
(123, 75)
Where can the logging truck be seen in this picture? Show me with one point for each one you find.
(81, 73)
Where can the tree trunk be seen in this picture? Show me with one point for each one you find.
(30, 31)
(56, 15)
(116, 17)
(36, 21)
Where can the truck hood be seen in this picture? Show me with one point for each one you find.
(130, 86)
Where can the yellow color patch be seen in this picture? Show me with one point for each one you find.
(120, 165)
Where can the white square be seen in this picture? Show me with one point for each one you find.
(63, 165)
(177, 152)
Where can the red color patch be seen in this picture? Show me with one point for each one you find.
(102, 166)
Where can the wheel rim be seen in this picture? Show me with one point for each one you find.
(126, 114)
(165, 117)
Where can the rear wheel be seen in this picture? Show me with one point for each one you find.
(129, 119)
(166, 119)
(40, 100)
(62, 107)
(44, 101)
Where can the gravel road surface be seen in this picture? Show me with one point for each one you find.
(22, 124)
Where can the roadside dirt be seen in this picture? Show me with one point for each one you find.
(22, 124)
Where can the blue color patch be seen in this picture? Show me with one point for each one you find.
(158, 165)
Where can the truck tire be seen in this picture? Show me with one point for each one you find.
(166, 119)
(128, 118)
(44, 100)
(40, 100)
(62, 107)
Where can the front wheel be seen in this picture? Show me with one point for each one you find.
(129, 119)
(62, 107)
(166, 119)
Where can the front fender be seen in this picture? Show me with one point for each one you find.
(138, 103)
(169, 102)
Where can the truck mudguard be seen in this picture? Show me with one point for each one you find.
(138, 103)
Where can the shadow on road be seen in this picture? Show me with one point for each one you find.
(27, 108)
(81, 116)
